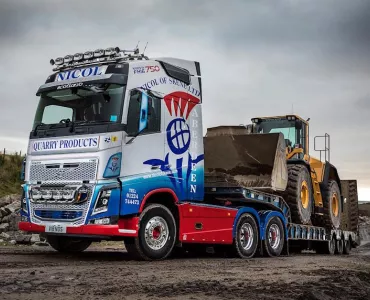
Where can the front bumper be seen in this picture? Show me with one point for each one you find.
(124, 228)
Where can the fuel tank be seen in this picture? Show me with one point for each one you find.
(233, 157)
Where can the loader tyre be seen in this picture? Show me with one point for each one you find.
(332, 205)
(298, 194)
(352, 206)
(65, 244)
(157, 234)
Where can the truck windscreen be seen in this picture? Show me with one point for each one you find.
(87, 104)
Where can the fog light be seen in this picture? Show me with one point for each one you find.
(103, 221)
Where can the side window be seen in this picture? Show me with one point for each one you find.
(54, 113)
(133, 116)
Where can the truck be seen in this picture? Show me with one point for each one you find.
(117, 152)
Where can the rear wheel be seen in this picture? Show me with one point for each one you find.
(339, 246)
(274, 237)
(157, 234)
(299, 194)
(331, 197)
(247, 237)
(347, 247)
(67, 244)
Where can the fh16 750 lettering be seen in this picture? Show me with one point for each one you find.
(117, 152)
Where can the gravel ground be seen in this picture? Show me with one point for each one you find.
(107, 272)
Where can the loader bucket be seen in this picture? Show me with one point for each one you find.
(232, 157)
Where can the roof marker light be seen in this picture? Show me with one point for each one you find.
(98, 52)
(78, 56)
(68, 58)
(59, 61)
(109, 51)
(88, 54)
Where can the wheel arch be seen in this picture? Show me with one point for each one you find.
(164, 196)
(265, 216)
(251, 211)
(331, 173)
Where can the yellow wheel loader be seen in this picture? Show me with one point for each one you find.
(272, 154)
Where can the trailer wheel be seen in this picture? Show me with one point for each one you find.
(156, 236)
(347, 247)
(247, 236)
(65, 244)
(326, 247)
(274, 237)
(298, 194)
(339, 247)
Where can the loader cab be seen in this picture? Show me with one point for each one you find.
(294, 129)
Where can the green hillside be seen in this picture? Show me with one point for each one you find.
(10, 169)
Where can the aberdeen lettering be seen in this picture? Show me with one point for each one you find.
(65, 144)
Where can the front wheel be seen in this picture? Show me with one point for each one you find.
(65, 244)
(157, 234)
(274, 237)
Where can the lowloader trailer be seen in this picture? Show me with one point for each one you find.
(117, 152)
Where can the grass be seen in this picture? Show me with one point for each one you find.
(10, 170)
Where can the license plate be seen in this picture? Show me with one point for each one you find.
(56, 228)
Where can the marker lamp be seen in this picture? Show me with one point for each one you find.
(88, 54)
(78, 56)
(98, 52)
(59, 61)
(68, 58)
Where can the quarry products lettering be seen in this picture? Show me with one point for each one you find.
(65, 144)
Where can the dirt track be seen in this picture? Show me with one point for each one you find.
(109, 273)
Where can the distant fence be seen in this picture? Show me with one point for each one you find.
(8, 154)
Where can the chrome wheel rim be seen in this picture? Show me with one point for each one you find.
(274, 236)
(156, 233)
(246, 236)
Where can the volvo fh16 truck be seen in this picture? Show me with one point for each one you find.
(117, 152)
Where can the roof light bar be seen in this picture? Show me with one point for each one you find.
(97, 56)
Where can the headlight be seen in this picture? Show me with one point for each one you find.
(102, 201)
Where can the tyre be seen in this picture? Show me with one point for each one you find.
(331, 198)
(67, 244)
(246, 237)
(274, 237)
(156, 236)
(298, 194)
(326, 247)
(339, 246)
(347, 247)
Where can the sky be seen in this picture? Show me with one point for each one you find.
(257, 57)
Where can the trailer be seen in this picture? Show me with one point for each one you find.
(117, 152)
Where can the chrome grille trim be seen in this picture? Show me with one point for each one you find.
(84, 207)
(66, 170)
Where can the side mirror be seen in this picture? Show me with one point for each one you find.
(143, 119)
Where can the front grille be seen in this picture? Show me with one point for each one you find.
(57, 214)
(42, 211)
(66, 171)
